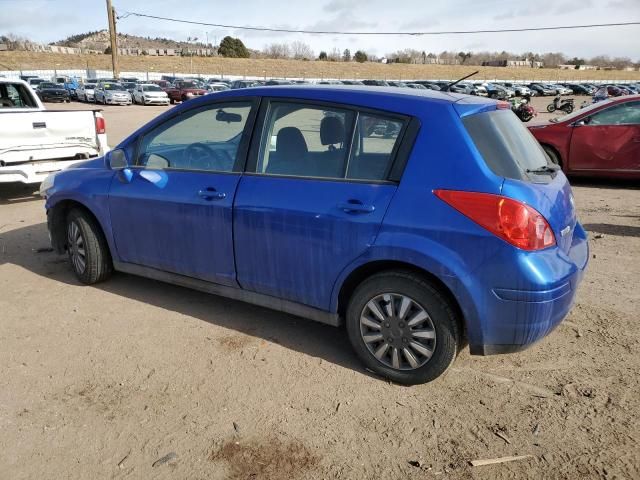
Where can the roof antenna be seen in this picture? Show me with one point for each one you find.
(446, 89)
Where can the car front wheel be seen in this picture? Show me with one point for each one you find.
(87, 248)
(402, 327)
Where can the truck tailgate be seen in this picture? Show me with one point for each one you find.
(47, 135)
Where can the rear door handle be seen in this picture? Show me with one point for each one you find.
(210, 193)
(356, 206)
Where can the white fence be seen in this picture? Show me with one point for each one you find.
(85, 74)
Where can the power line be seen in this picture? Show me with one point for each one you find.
(331, 32)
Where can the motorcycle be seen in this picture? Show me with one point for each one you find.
(523, 110)
(565, 105)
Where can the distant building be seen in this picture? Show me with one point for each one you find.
(3, 47)
(579, 67)
(526, 63)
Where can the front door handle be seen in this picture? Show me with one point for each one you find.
(210, 193)
(356, 206)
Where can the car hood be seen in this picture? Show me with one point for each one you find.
(194, 90)
(53, 90)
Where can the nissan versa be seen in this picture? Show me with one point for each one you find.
(423, 220)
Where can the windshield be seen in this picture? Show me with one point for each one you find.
(113, 86)
(130, 85)
(508, 148)
(152, 88)
(189, 85)
(90, 86)
(48, 85)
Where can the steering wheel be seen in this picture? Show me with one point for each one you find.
(199, 156)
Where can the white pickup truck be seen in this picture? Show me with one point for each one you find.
(35, 141)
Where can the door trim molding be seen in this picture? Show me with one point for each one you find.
(246, 296)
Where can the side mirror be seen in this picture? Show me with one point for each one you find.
(117, 159)
(222, 116)
(580, 123)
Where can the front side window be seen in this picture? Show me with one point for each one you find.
(205, 139)
(15, 96)
(305, 140)
(623, 114)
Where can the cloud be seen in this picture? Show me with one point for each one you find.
(419, 24)
(339, 6)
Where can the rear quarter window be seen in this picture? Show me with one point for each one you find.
(506, 146)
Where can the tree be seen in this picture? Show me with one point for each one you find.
(107, 51)
(301, 51)
(233, 48)
(346, 55)
(334, 55)
(464, 56)
(277, 50)
(322, 56)
(360, 56)
(576, 61)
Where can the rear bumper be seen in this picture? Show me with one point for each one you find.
(516, 318)
(34, 172)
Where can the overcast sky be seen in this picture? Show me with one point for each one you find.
(51, 20)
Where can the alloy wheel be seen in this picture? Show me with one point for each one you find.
(76, 247)
(398, 331)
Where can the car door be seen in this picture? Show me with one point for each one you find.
(608, 140)
(311, 202)
(172, 210)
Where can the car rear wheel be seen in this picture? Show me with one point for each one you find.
(402, 327)
(87, 248)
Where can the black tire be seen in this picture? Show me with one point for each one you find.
(172, 101)
(553, 155)
(551, 108)
(97, 259)
(568, 108)
(425, 295)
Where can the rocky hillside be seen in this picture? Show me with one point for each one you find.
(100, 41)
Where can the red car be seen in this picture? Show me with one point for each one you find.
(183, 91)
(601, 140)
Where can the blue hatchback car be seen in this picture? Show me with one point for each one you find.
(422, 220)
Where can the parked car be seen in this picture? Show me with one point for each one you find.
(375, 83)
(273, 82)
(129, 86)
(397, 84)
(150, 94)
(417, 86)
(244, 84)
(259, 195)
(108, 93)
(181, 91)
(520, 89)
(52, 92)
(428, 85)
(559, 89)
(163, 84)
(216, 87)
(85, 92)
(479, 90)
(352, 82)
(34, 82)
(497, 92)
(542, 89)
(578, 89)
(35, 142)
(601, 140)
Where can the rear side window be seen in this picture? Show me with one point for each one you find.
(15, 96)
(305, 140)
(506, 146)
(373, 149)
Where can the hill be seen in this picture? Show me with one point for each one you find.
(99, 40)
(23, 60)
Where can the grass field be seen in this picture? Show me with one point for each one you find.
(294, 68)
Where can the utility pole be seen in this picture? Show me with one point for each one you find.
(112, 35)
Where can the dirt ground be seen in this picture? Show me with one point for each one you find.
(133, 378)
(295, 68)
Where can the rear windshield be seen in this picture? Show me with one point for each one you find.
(506, 145)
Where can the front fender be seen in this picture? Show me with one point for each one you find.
(88, 187)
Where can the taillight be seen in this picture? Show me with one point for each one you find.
(100, 125)
(511, 220)
(503, 105)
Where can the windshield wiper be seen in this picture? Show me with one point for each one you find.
(544, 169)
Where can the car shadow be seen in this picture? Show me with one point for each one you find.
(11, 193)
(28, 247)
(622, 183)
(612, 229)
